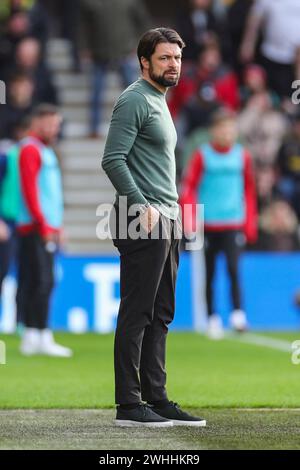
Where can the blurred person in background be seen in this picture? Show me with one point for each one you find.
(278, 226)
(237, 14)
(288, 166)
(211, 77)
(197, 23)
(265, 184)
(70, 13)
(28, 60)
(201, 91)
(65, 16)
(39, 228)
(110, 29)
(10, 199)
(297, 64)
(254, 82)
(19, 20)
(220, 176)
(39, 25)
(262, 124)
(20, 93)
(10, 6)
(279, 22)
(14, 29)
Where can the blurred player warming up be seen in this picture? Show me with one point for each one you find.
(219, 176)
(39, 228)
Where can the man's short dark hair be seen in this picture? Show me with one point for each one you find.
(153, 37)
(44, 109)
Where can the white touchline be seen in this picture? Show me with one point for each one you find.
(261, 340)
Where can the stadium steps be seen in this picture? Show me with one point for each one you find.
(85, 184)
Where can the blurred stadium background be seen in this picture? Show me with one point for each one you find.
(56, 47)
(48, 55)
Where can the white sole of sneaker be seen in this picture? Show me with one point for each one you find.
(29, 353)
(134, 424)
(196, 424)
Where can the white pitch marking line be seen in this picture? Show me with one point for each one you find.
(260, 340)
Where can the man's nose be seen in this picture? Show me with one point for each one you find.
(173, 62)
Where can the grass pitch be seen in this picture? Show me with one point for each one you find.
(68, 403)
(93, 429)
(201, 374)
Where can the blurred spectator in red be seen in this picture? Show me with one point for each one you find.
(19, 104)
(254, 82)
(110, 30)
(262, 126)
(210, 77)
(279, 22)
(28, 60)
(288, 164)
(197, 23)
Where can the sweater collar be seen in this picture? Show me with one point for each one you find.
(153, 88)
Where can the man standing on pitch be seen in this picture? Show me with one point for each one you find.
(139, 160)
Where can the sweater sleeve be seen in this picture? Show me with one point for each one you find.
(129, 115)
(250, 200)
(189, 187)
(30, 164)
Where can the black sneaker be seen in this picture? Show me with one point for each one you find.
(180, 418)
(142, 415)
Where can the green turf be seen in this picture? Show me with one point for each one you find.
(201, 374)
(94, 429)
(287, 336)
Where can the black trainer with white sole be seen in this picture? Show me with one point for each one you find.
(142, 415)
(173, 412)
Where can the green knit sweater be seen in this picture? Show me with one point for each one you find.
(139, 155)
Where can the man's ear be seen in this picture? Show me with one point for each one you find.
(145, 63)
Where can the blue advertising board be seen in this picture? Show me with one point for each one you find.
(86, 297)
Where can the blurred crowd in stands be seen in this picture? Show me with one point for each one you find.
(244, 55)
(24, 28)
(241, 54)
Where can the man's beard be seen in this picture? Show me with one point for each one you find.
(161, 79)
